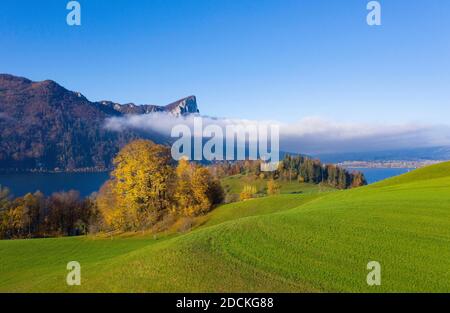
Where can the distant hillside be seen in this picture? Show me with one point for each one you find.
(44, 126)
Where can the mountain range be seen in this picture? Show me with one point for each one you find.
(44, 126)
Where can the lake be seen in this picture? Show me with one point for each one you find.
(48, 183)
(374, 175)
(87, 183)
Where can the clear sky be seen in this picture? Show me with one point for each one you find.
(257, 59)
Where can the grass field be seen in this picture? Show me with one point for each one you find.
(306, 242)
(235, 184)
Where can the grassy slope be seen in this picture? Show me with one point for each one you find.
(235, 184)
(286, 243)
(39, 265)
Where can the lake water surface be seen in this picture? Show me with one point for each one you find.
(48, 183)
(374, 175)
(87, 183)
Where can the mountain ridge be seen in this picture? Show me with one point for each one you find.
(185, 105)
(46, 127)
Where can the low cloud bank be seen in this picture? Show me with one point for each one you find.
(312, 135)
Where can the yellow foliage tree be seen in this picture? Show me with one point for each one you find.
(140, 188)
(144, 186)
(183, 192)
(273, 187)
(248, 192)
(197, 190)
(201, 182)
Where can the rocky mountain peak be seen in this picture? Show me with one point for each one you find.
(183, 106)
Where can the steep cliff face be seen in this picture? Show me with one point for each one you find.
(184, 106)
(45, 126)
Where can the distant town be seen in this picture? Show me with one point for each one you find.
(388, 164)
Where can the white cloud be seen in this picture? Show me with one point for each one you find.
(310, 135)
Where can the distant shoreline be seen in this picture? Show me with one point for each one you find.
(381, 168)
(393, 164)
(401, 164)
(41, 171)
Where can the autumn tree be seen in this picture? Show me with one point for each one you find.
(35, 215)
(248, 192)
(183, 192)
(69, 214)
(141, 186)
(106, 201)
(200, 182)
(273, 187)
(12, 221)
(5, 197)
(358, 180)
(197, 190)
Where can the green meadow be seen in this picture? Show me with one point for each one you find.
(306, 239)
(234, 185)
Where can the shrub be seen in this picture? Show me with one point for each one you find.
(248, 192)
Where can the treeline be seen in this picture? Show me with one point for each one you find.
(295, 168)
(34, 215)
(308, 170)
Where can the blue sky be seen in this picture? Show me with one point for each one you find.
(256, 59)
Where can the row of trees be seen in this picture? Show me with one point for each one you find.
(227, 168)
(295, 168)
(308, 170)
(146, 186)
(34, 215)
